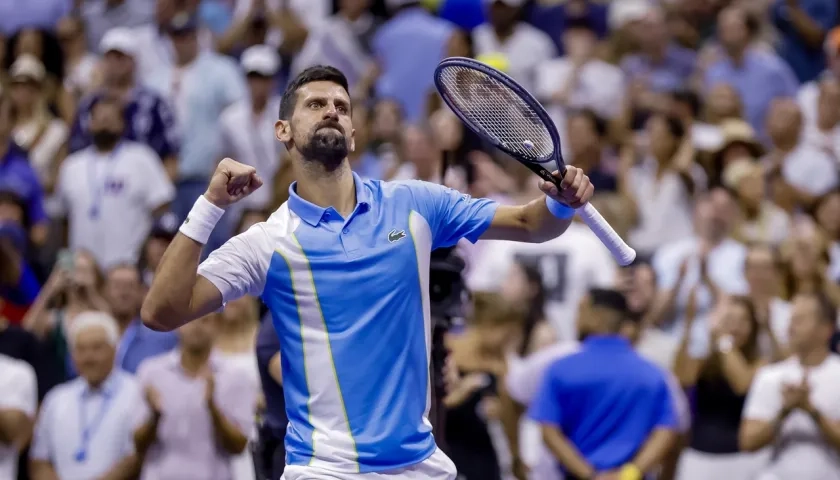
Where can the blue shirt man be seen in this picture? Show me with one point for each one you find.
(148, 120)
(605, 399)
(18, 176)
(806, 57)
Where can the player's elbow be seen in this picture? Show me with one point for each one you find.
(154, 317)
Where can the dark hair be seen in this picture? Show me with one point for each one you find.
(675, 126)
(318, 73)
(8, 197)
(689, 98)
(598, 123)
(535, 310)
(580, 23)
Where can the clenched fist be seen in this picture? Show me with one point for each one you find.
(575, 188)
(231, 182)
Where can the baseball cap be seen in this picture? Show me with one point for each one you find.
(27, 67)
(183, 22)
(120, 40)
(260, 59)
(628, 11)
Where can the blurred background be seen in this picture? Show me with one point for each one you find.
(710, 129)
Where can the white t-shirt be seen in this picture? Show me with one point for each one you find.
(109, 199)
(726, 269)
(800, 451)
(250, 140)
(665, 205)
(570, 264)
(19, 392)
(242, 465)
(811, 170)
(525, 49)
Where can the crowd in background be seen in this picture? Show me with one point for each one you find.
(710, 129)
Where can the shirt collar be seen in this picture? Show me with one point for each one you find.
(312, 214)
(606, 341)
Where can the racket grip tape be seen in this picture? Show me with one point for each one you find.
(619, 249)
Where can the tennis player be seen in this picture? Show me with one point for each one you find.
(343, 266)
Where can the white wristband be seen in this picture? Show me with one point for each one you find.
(201, 220)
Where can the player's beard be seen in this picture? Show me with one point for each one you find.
(326, 146)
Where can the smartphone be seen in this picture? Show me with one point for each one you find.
(66, 260)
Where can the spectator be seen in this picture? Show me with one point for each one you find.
(738, 142)
(639, 287)
(793, 405)
(247, 126)
(709, 260)
(198, 410)
(272, 455)
(823, 132)
(720, 382)
(723, 103)
(201, 85)
(806, 257)
(101, 16)
(111, 212)
(589, 150)
(687, 106)
(760, 220)
(662, 185)
(162, 234)
(36, 130)
(525, 287)
(807, 171)
(74, 287)
(147, 117)
(18, 401)
(579, 79)
(758, 76)
(18, 176)
(808, 95)
(408, 47)
(32, 14)
(763, 270)
(124, 291)
(595, 420)
(570, 265)
(524, 46)
(660, 68)
(82, 71)
(235, 346)
(81, 430)
(803, 26)
(19, 285)
(827, 216)
(554, 19)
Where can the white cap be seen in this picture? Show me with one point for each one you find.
(119, 39)
(28, 67)
(95, 319)
(628, 11)
(509, 3)
(261, 59)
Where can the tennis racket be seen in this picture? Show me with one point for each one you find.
(500, 111)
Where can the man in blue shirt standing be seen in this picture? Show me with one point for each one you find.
(343, 266)
(605, 410)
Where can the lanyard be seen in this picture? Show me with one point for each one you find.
(89, 429)
(99, 186)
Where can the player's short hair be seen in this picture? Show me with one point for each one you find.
(318, 73)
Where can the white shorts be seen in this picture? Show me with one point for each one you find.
(436, 467)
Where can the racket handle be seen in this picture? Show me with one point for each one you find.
(622, 252)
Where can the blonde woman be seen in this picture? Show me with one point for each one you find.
(37, 131)
(236, 346)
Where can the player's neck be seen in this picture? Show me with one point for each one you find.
(335, 189)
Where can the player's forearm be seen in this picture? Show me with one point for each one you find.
(169, 303)
(655, 449)
(565, 453)
(229, 435)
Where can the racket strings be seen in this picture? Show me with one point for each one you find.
(498, 111)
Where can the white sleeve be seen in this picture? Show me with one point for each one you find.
(41, 447)
(525, 375)
(19, 388)
(159, 188)
(239, 266)
(764, 400)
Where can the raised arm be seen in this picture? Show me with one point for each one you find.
(178, 293)
(544, 218)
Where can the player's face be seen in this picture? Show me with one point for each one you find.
(321, 127)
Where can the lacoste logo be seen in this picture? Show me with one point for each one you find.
(187, 220)
(396, 235)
